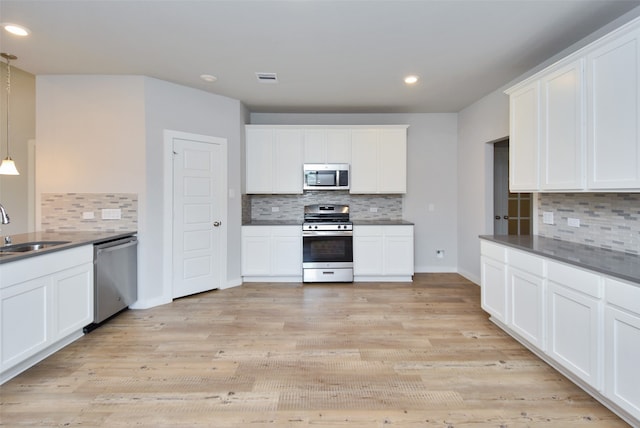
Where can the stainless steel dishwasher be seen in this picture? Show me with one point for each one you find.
(115, 278)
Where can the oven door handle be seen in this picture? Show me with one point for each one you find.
(310, 233)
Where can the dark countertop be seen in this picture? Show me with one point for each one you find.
(388, 222)
(75, 239)
(273, 223)
(613, 263)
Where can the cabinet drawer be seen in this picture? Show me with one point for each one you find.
(575, 278)
(496, 252)
(367, 230)
(526, 262)
(286, 231)
(256, 230)
(398, 230)
(623, 294)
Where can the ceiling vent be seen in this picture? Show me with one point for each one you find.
(267, 77)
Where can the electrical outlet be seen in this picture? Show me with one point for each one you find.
(373, 209)
(88, 215)
(275, 209)
(573, 222)
(111, 214)
(440, 254)
(547, 217)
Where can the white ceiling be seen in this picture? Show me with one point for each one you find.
(343, 56)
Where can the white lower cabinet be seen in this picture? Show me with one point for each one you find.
(45, 301)
(525, 279)
(584, 323)
(25, 311)
(72, 299)
(575, 319)
(622, 345)
(527, 306)
(367, 250)
(383, 252)
(494, 280)
(272, 251)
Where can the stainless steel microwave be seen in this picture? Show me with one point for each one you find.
(326, 176)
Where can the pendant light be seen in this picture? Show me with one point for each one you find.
(8, 167)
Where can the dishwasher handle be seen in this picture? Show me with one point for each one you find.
(108, 248)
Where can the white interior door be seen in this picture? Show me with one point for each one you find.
(199, 214)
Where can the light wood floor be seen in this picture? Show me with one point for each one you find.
(264, 355)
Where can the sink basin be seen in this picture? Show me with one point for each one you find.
(30, 246)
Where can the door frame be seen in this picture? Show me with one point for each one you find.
(490, 191)
(167, 206)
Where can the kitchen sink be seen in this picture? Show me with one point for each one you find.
(30, 246)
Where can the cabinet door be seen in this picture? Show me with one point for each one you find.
(613, 73)
(364, 161)
(73, 300)
(524, 138)
(622, 344)
(574, 340)
(494, 287)
(259, 145)
(392, 161)
(367, 250)
(563, 138)
(327, 145)
(339, 146)
(256, 250)
(286, 250)
(287, 157)
(315, 146)
(527, 310)
(622, 353)
(25, 320)
(398, 250)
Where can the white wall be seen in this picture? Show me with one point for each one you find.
(14, 188)
(178, 108)
(432, 176)
(104, 134)
(483, 122)
(90, 134)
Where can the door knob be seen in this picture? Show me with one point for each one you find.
(217, 223)
(497, 217)
(506, 217)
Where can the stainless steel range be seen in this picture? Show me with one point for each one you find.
(327, 243)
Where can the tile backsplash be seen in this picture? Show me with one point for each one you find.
(64, 211)
(291, 207)
(607, 220)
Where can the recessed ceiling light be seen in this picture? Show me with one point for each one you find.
(410, 80)
(15, 29)
(208, 78)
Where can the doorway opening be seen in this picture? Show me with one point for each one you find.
(511, 211)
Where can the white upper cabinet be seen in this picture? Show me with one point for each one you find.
(524, 142)
(275, 155)
(379, 160)
(562, 142)
(327, 145)
(575, 125)
(274, 160)
(614, 113)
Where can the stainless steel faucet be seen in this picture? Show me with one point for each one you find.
(4, 216)
(4, 219)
